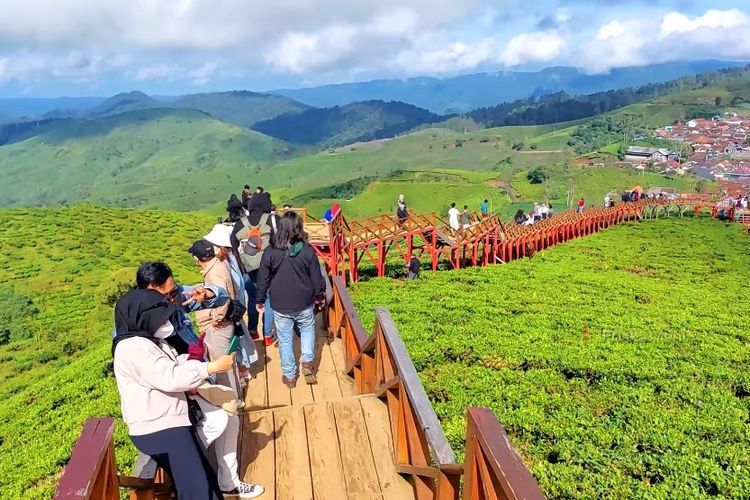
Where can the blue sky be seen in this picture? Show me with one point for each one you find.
(101, 47)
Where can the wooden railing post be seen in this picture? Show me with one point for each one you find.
(90, 472)
(492, 467)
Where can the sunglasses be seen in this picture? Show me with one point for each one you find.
(171, 295)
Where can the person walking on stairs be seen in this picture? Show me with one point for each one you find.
(290, 274)
(453, 214)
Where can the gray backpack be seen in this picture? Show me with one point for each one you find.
(253, 241)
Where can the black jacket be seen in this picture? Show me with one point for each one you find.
(292, 281)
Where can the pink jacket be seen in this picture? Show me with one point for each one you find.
(152, 382)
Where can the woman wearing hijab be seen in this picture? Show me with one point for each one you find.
(152, 382)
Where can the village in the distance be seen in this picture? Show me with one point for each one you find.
(715, 149)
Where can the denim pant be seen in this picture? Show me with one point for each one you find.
(305, 321)
(250, 284)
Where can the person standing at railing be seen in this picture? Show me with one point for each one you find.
(484, 208)
(464, 218)
(290, 274)
(401, 212)
(152, 385)
(581, 204)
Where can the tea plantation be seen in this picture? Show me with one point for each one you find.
(619, 363)
(59, 268)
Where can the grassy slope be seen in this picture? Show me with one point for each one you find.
(615, 367)
(240, 107)
(52, 382)
(159, 158)
(433, 190)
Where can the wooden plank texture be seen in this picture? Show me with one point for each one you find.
(346, 383)
(323, 449)
(278, 393)
(356, 454)
(293, 466)
(256, 397)
(327, 388)
(257, 456)
(392, 485)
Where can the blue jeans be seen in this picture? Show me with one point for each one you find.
(252, 314)
(305, 321)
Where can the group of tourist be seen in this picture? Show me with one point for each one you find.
(460, 220)
(181, 390)
(539, 212)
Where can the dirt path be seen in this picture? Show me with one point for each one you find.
(502, 185)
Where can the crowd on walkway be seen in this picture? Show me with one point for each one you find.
(182, 386)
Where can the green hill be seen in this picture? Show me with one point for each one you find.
(242, 107)
(340, 125)
(618, 363)
(158, 157)
(122, 103)
(59, 268)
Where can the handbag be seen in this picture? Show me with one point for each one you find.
(235, 311)
(195, 414)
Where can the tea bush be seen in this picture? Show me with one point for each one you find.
(59, 268)
(618, 363)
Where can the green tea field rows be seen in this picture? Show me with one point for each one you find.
(618, 363)
(58, 268)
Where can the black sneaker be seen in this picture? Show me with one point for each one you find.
(245, 490)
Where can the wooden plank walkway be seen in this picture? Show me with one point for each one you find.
(321, 441)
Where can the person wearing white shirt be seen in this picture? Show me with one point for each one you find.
(453, 214)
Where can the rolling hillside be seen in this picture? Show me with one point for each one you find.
(160, 157)
(241, 107)
(59, 280)
(340, 125)
(666, 415)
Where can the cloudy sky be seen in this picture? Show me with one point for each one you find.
(100, 47)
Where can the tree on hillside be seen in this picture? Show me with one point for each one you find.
(537, 175)
(717, 101)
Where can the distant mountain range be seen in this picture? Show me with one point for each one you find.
(464, 93)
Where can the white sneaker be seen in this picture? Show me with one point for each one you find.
(246, 490)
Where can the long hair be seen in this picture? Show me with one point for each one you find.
(290, 231)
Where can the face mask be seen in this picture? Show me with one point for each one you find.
(164, 330)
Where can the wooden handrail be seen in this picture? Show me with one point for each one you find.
(380, 364)
(90, 472)
(426, 418)
(493, 468)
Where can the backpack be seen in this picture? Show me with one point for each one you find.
(253, 241)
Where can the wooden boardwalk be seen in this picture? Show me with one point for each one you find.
(322, 441)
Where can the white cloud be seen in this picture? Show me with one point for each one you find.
(430, 56)
(630, 42)
(676, 22)
(156, 72)
(536, 47)
(612, 29)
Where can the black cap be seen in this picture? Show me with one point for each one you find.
(202, 249)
